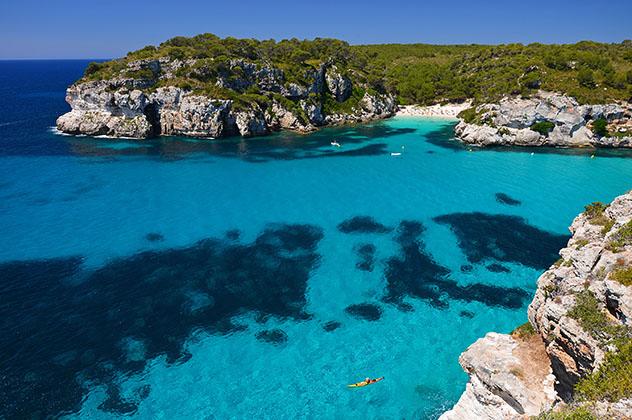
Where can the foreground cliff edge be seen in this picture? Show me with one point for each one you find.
(574, 357)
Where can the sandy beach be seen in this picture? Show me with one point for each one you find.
(437, 111)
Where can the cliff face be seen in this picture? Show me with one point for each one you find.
(582, 311)
(547, 119)
(149, 103)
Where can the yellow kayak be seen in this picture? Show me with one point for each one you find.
(365, 382)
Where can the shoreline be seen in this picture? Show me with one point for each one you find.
(448, 111)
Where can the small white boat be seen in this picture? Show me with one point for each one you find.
(335, 143)
(395, 154)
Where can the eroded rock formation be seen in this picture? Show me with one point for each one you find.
(513, 122)
(144, 100)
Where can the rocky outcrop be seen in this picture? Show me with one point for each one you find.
(512, 122)
(143, 100)
(575, 293)
(338, 85)
(509, 378)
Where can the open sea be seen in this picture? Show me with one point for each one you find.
(198, 279)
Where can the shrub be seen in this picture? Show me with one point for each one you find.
(623, 276)
(93, 67)
(503, 131)
(594, 321)
(600, 127)
(524, 331)
(543, 127)
(568, 413)
(596, 216)
(595, 209)
(470, 116)
(587, 312)
(586, 78)
(613, 380)
(581, 243)
(621, 238)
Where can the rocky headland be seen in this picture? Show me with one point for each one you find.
(546, 119)
(206, 86)
(574, 357)
(147, 98)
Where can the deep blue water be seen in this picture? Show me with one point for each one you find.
(177, 278)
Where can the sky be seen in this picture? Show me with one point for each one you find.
(108, 29)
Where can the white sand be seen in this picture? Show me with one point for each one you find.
(436, 111)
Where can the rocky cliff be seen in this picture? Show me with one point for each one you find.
(576, 352)
(547, 119)
(145, 98)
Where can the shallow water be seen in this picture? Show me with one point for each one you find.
(177, 278)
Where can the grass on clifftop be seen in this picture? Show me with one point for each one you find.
(596, 216)
(524, 331)
(622, 275)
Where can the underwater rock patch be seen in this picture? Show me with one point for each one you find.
(365, 311)
(101, 324)
(233, 234)
(154, 237)
(331, 326)
(467, 268)
(497, 268)
(414, 273)
(466, 314)
(505, 199)
(366, 256)
(275, 336)
(483, 236)
(362, 224)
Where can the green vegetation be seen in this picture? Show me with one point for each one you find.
(596, 216)
(524, 331)
(613, 380)
(587, 312)
(600, 127)
(421, 73)
(586, 78)
(594, 321)
(595, 209)
(622, 275)
(417, 73)
(543, 127)
(621, 238)
(581, 243)
(470, 115)
(568, 413)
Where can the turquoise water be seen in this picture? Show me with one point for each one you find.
(235, 322)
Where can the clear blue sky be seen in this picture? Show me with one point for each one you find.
(104, 29)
